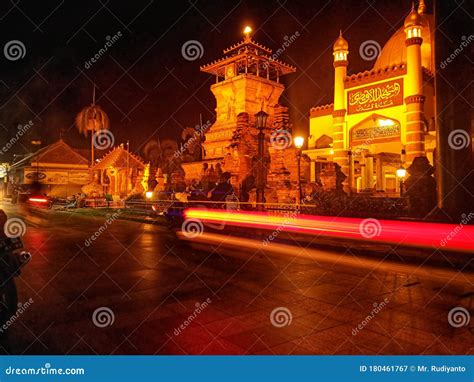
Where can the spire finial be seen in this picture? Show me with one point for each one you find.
(421, 7)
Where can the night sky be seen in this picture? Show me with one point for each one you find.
(143, 81)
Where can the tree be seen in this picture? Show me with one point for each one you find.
(92, 119)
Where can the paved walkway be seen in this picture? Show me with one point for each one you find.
(153, 294)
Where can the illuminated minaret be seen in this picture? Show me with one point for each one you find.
(414, 98)
(340, 144)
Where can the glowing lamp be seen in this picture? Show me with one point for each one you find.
(298, 141)
(247, 31)
(149, 194)
(401, 172)
(261, 120)
(386, 122)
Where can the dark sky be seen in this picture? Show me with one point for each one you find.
(143, 82)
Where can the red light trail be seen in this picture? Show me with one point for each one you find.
(457, 237)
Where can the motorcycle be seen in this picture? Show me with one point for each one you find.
(12, 260)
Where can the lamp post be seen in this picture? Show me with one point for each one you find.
(401, 173)
(298, 141)
(260, 124)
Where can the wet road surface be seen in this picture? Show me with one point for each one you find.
(102, 286)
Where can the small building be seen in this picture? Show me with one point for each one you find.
(59, 167)
(383, 118)
(119, 172)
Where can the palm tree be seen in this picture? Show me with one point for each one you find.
(92, 118)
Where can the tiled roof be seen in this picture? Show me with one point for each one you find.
(118, 158)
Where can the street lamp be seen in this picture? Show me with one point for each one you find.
(401, 173)
(260, 124)
(298, 141)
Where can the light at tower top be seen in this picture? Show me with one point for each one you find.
(247, 31)
(248, 57)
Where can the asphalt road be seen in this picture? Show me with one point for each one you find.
(109, 286)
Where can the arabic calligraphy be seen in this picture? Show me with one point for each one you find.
(376, 97)
(373, 133)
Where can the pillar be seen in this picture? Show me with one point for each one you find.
(414, 98)
(341, 153)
